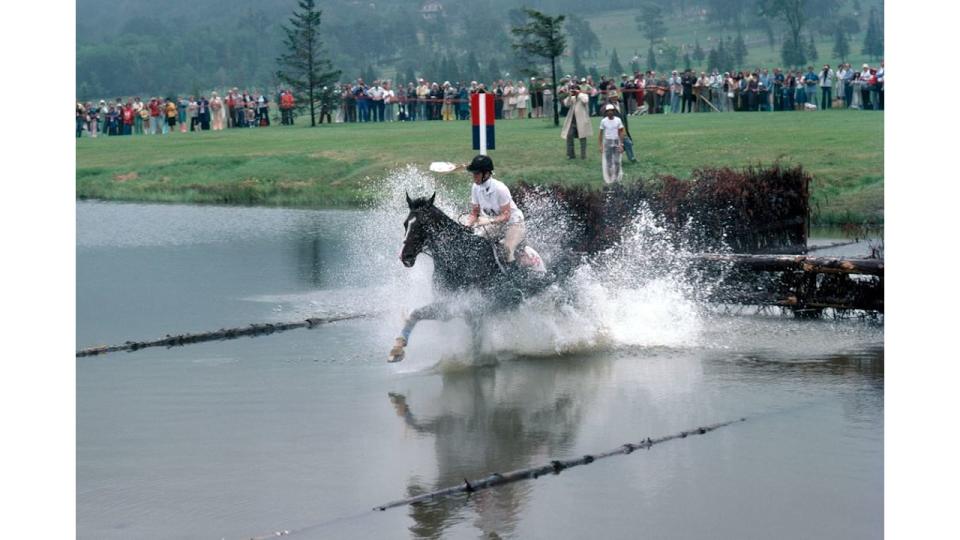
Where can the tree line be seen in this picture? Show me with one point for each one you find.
(132, 48)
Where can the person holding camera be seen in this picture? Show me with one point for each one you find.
(577, 124)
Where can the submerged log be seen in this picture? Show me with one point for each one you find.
(218, 335)
(804, 263)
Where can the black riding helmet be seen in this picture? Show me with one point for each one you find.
(480, 164)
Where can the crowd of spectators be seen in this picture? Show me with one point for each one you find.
(382, 101)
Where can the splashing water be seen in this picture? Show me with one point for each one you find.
(634, 294)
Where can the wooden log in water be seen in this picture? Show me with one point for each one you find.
(554, 467)
(804, 263)
(218, 335)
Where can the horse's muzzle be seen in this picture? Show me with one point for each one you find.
(408, 261)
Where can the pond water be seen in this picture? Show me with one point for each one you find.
(308, 430)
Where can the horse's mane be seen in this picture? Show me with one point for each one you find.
(425, 204)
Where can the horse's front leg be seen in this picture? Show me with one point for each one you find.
(437, 311)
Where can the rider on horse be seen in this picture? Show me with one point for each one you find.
(501, 218)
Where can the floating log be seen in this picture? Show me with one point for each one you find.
(218, 335)
(554, 467)
(804, 263)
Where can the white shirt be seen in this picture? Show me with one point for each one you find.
(611, 128)
(491, 196)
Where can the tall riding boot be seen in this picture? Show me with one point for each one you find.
(583, 149)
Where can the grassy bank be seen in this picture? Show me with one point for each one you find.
(331, 165)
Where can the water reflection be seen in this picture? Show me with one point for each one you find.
(496, 419)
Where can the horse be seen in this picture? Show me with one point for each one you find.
(462, 261)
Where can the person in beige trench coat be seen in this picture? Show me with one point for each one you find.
(577, 124)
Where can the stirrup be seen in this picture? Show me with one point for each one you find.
(397, 352)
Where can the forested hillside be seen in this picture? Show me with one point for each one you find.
(128, 47)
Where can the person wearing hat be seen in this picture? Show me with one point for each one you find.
(577, 123)
(864, 86)
(611, 138)
(502, 220)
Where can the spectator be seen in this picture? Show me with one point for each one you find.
(686, 83)
(880, 85)
(81, 118)
(522, 95)
(810, 80)
(377, 107)
(171, 113)
(182, 105)
(423, 96)
(676, 92)
(126, 114)
(192, 114)
(389, 102)
(216, 112)
(577, 124)
(826, 87)
(865, 86)
(137, 116)
(154, 107)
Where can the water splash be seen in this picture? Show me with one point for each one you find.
(638, 293)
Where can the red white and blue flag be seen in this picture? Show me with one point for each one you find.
(481, 119)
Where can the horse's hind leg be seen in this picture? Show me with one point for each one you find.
(437, 311)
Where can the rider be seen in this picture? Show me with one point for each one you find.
(501, 217)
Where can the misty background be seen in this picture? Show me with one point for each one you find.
(172, 47)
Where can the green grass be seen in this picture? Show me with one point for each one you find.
(333, 165)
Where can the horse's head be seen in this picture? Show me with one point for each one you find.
(415, 227)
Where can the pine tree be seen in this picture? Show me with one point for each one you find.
(594, 72)
(493, 71)
(471, 68)
(303, 67)
(615, 68)
(812, 50)
(841, 46)
(542, 36)
(793, 53)
(724, 62)
(651, 59)
(873, 40)
(713, 60)
(687, 64)
(651, 22)
(368, 75)
(698, 53)
(579, 69)
(739, 51)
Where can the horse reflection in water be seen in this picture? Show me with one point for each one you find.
(462, 262)
(488, 420)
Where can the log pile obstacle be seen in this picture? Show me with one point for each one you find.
(554, 467)
(219, 335)
(761, 215)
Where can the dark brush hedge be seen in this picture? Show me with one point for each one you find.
(752, 210)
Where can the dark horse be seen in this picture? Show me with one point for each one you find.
(462, 261)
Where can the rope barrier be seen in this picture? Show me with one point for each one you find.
(223, 334)
(554, 467)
